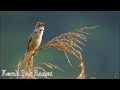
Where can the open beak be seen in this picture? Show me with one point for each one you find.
(42, 26)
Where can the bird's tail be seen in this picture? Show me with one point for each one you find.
(28, 60)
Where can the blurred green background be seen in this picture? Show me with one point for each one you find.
(101, 55)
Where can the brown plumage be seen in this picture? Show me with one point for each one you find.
(34, 42)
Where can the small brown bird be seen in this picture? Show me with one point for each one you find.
(34, 42)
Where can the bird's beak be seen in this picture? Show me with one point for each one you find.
(42, 26)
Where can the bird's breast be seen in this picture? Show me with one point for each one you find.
(35, 43)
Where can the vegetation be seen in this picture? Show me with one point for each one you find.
(68, 43)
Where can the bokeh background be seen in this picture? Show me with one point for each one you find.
(101, 54)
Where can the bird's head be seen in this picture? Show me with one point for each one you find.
(40, 26)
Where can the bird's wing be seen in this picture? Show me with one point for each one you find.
(30, 39)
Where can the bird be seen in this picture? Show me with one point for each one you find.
(34, 42)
